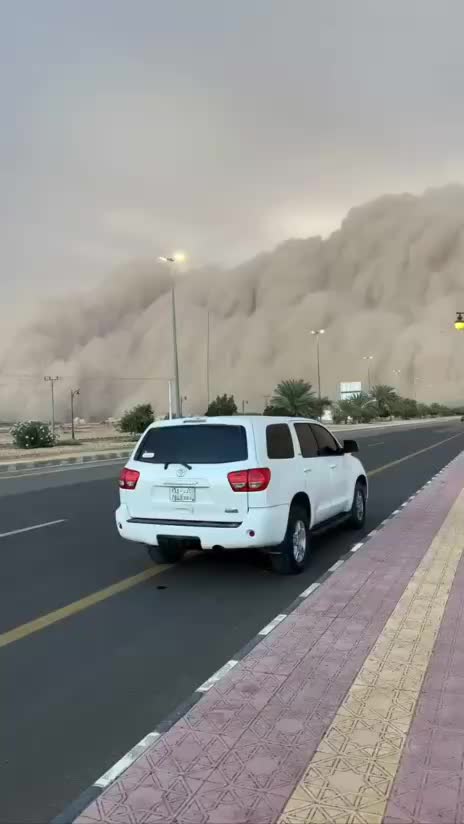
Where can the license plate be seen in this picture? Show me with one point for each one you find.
(182, 494)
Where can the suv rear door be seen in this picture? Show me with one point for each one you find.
(331, 454)
(317, 477)
(183, 472)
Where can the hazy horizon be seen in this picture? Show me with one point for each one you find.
(386, 284)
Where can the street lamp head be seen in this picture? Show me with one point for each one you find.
(317, 331)
(178, 257)
(368, 357)
(459, 322)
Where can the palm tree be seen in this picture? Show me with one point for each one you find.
(294, 397)
(360, 408)
(386, 397)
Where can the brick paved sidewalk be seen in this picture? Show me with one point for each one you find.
(350, 711)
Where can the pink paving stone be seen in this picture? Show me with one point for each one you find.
(239, 753)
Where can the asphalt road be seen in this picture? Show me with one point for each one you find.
(79, 691)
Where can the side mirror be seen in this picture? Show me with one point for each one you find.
(350, 446)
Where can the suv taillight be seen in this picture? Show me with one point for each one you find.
(250, 480)
(128, 478)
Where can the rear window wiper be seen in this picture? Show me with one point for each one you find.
(181, 463)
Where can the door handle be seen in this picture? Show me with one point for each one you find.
(308, 470)
(333, 466)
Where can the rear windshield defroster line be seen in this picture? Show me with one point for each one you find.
(194, 444)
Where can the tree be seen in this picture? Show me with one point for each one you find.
(295, 398)
(320, 405)
(423, 410)
(439, 410)
(270, 409)
(385, 398)
(222, 405)
(405, 408)
(137, 419)
(360, 408)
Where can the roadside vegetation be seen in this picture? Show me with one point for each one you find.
(32, 435)
(136, 420)
(293, 397)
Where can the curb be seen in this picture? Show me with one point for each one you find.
(6, 469)
(91, 793)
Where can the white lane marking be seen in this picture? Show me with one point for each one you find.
(310, 589)
(30, 528)
(126, 760)
(217, 676)
(356, 547)
(272, 625)
(372, 533)
(396, 511)
(335, 566)
(377, 443)
(38, 471)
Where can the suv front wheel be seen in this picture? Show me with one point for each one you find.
(294, 550)
(357, 516)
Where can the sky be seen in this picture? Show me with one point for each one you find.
(131, 129)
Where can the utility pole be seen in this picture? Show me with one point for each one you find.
(244, 403)
(74, 393)
(49, 379)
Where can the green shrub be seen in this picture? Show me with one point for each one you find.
(32, 435)
(136, 420)
(222, 405)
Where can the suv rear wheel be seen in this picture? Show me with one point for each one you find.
(165, 555)
(294, 550)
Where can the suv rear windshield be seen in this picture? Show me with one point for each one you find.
(194, 444)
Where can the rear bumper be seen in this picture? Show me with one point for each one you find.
(267, 523)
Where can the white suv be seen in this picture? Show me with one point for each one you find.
(242, 481)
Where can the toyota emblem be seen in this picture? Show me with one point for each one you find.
(181, 472)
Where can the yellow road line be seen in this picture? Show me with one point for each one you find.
(412, 455)
(78, 606)
(50, 618)
(350, 776)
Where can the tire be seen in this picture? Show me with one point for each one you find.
(357, 516)
(295, 548)
(166, 554)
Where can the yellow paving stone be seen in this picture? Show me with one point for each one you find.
(350, 776)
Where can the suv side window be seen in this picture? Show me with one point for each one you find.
(327, 444)
(279, 441)
(307, 441)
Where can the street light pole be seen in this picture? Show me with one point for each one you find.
(368, 358)
(317, 333)
(49, 379)
(208, 394)
(177, 258)
(74, 392)
(175, 353)
(170, 399)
